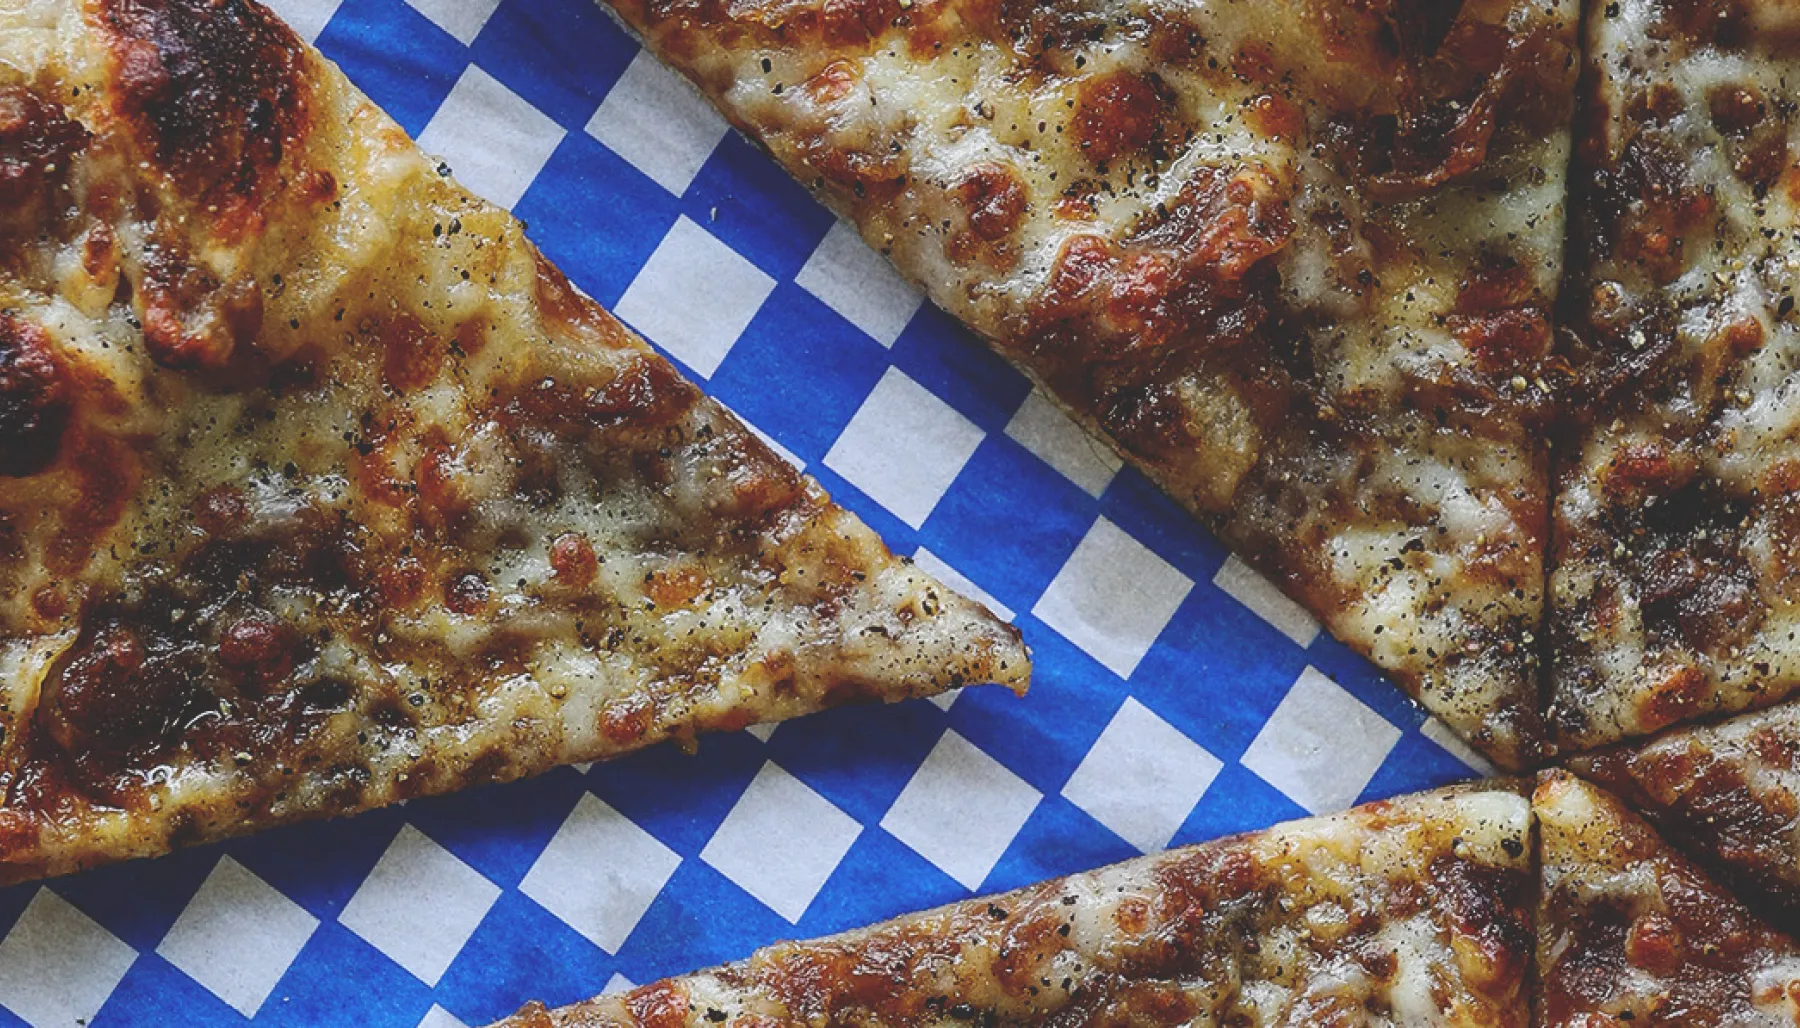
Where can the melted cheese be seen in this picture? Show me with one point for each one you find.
(1727, 792)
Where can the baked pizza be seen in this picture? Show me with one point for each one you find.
(1295, 259)
(1677, 582)
(1727, 795)
(1631, 934)
(322, 490)
(1414, 911)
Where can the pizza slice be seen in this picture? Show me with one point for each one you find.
(320, 489)
(1630, 933)
(1295, 259)
(1677, 582)
(1725, 794)
(1411, 911)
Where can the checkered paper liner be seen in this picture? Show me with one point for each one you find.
(1178, 695)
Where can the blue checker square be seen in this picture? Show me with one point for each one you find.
(1178, 695)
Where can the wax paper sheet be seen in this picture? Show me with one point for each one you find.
(1178, 696)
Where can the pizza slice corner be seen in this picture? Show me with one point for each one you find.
(1631, 933)
(1726, 794)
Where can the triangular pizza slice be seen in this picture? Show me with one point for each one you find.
(1677, 587)
(320, 489)
(1725, 794)
(1295, 259)
(1411, 911)
(1631, 934)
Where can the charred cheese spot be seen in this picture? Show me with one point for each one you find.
(994, 199)
(467, 593)
(412, 355)
(259, 647)
(1277, 116)
(833, 83)
(191, 318)
(34, 399)
(1505, 341)
(442, 478)
(37, 142)
(214, 91)
(1736, 109)
(1117, 114)
(120, 691)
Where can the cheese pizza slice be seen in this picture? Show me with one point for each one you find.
(1726, 795)
(1677, 585)
(1295, 259)
(320, 489)
(1413, 911)
(1630, 933)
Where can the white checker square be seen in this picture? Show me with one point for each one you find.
(492, 138)
(463, 19)
(961, 810)
(57, 966)
(1456, 746)
(237, 937)
(1113, 597)
(1041, 427)
(307, 18)
(781, 842)
(1321, 746)
(438, 1017)
(616, 984)
(763, 732)
(600, 873)
(904, 447)
(658, 123)
(1265, 599)
(695, 296)
(1142, 778)
(860, 284)
(420, 906)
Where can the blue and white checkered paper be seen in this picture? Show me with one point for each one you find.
(1178, 697)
